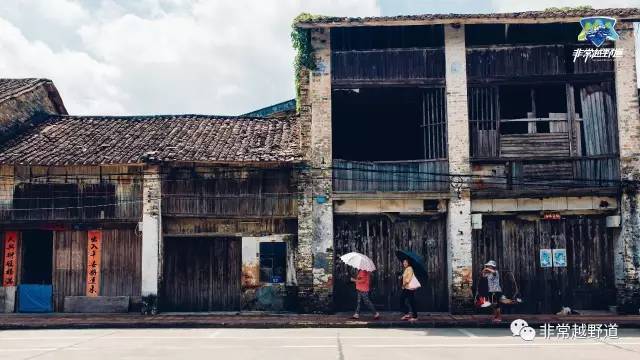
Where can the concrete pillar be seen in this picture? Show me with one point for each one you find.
(627, 243)
(459, 241)
(151, 237)
(315, 210)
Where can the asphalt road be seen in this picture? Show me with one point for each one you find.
(307, 344)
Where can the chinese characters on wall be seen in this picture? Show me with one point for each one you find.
(10, 258)
(94, 248)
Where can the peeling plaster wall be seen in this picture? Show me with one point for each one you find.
(151, 232)
(459, 238)
(627, 246)
(261, 296)
(314, 260)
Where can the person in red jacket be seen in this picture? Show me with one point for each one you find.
(363, 281)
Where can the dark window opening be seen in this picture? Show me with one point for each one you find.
(545, 105)
(37, 257)
(36, 201)
(386, 37)
(273, 262)
(99, 200)
(533, 34)
(387, 124)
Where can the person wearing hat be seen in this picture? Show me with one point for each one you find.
(490, 272)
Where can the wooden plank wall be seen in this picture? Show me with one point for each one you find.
(69, 265)
(388, 64)
(419, 176)
(121, 261)
(534, 60)
(230, 192)
(586, 283)
(544, 145)
(201, 274)
(378, 237)
(509, 61)
(599, 119)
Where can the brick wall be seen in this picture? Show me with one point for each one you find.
(459, 211)
(627, 245)
(314, 261)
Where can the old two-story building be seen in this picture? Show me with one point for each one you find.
(463, 138)
(473, 137)
(179, 213)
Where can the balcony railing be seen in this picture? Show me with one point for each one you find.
(549, 176)
(382, 176)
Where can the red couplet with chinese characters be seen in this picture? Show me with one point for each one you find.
(94, 248)
(10, 258)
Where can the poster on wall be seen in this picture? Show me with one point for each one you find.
(560, 257)
(10, 258)
(94, 258)
(545, 258)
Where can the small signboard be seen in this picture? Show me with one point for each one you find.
(545, 258)
(552, 216)
(559, 257)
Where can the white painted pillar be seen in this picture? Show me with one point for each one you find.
(459, 255)
(151, 231)
(627, 243)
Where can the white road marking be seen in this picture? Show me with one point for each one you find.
(467, 332)
(306, 346)
(27, 349)
(214, 334)
(490, 345)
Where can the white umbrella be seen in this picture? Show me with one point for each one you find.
(358, 261)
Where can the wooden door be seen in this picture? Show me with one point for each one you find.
(585, 283)
(379, 236)
(201, 274)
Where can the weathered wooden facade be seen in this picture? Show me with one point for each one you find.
(463, 138)
(106, 208)
(496, 124)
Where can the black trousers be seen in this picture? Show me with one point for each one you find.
(409, 300)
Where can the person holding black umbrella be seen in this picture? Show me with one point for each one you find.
(410, 282)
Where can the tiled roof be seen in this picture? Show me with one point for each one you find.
(92, 140)
(10, 88)
(553, 13)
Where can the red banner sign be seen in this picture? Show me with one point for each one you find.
(10, 258)
(94, 258)
(552, 216)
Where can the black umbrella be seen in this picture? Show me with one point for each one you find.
(416, 261)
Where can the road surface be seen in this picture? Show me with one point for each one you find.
(307, 344)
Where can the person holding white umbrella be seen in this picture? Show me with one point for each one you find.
(363, 280)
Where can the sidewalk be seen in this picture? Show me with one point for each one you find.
(249, 320)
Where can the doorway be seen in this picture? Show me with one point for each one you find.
(37, 257)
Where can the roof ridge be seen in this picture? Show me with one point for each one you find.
(170, 116)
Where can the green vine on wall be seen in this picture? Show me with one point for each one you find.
(301, 40)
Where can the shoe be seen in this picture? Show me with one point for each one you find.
(355, 317)
(376, 316)
(496, 321)
(413, 319)
(406, 317)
